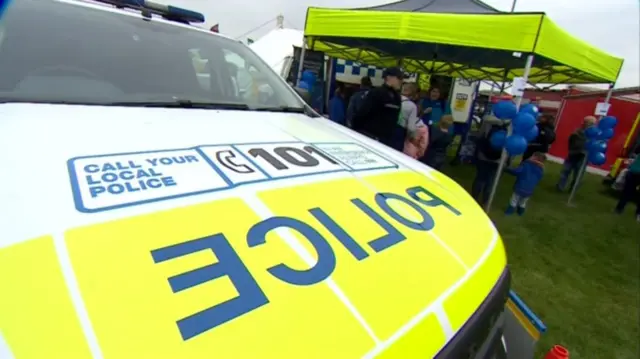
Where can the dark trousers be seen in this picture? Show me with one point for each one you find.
(398, 137)
(482, 183)
(630, 192)
(570, 168)
(434, 159)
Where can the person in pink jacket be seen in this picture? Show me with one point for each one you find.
(417, 134)
(416, 146)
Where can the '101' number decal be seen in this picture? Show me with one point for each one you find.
(293, 156)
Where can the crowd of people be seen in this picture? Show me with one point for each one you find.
(398, 115)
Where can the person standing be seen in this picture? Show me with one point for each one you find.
(356, 100)
(378, 116)
(411, 134)
(337, 108)
(439, 141)
(528, 175)
(434, 107)
(577, 154)
(630, 191)
(487, 159)
(546, 136)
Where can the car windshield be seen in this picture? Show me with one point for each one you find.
(65, 52)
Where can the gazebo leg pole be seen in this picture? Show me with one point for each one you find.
(585, 161)
(301, 61)
(503, 158)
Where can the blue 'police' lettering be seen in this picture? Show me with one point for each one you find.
(326, 258)
(435, 201)
(347, 241)
(250, 296)
(425, 224)
(392, 237)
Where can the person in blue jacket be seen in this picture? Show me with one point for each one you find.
(433, 108)
(337, 107)
(528, 175)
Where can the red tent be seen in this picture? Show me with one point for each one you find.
(625, 106)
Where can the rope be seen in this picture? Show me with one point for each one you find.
(255, 28)
(291, 25)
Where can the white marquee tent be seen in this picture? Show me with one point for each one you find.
(276, 47)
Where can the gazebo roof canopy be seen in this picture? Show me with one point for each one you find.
(437, 6)
(461, 38)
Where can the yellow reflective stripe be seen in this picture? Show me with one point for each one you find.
(37, 317)
(404, 279)
(466, 300)
(422, 341)
(145, 280)
(137, 313)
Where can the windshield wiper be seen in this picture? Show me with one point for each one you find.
(280, 109)
(179, 103)
(288, 109)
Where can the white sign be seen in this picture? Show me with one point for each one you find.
(235, 166)
(602, 108)
(518, 86)
(105, 182)
(462, 99)
(355, 156)
(111, 181)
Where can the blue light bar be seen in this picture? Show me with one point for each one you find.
(190, 15)
(167, 11)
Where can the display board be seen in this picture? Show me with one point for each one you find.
(461, 99)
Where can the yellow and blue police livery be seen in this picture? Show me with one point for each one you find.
(166, 195)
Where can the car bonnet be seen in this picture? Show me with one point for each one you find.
(178, 233)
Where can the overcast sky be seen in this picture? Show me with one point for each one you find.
(611, 25)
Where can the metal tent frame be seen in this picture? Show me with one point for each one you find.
(354, 48)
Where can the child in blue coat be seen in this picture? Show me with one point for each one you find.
(528, 175)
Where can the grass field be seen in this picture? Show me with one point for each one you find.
(578, 268)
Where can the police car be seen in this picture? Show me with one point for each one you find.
(164, 194)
